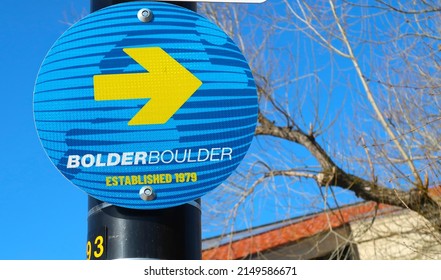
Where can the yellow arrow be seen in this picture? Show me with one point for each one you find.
(168, 85)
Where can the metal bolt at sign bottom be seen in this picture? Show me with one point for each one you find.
(145, 15)
(147, 193)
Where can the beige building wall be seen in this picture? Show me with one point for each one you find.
(398, 235)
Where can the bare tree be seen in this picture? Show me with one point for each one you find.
(349, 97)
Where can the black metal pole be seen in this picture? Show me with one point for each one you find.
(120, 233)
(96, 5)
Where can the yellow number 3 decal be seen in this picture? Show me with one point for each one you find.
(99, 250)
(99, 242)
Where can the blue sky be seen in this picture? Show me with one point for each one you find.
(43, 215)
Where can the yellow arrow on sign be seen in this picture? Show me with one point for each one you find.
(168, 85)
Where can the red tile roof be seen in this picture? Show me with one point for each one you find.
(305, 228)
(308, 227)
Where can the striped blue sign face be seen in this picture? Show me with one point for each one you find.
(145, 105)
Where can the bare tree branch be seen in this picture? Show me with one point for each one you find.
(331, 175)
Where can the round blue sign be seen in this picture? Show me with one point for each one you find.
(145, 105)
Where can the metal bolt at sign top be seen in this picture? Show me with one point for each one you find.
(147, 193)
(145, 15)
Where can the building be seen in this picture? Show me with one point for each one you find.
(362, 231)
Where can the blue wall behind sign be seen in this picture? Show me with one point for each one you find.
(91, 143)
